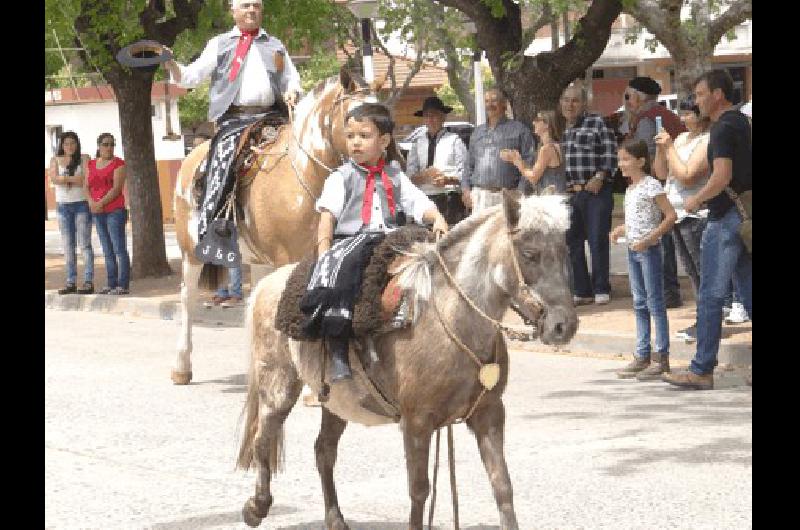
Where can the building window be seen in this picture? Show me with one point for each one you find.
(54, 132)
(155, 111)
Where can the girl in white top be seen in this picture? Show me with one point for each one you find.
(684, 165)
(67, 172)
(648, 216)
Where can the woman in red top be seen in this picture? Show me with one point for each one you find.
(104, 185)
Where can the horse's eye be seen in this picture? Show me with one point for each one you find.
(532, 255)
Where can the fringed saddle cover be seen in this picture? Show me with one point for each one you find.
(369, 314)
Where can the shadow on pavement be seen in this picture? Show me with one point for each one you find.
(215, 519)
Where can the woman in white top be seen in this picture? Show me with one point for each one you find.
(67, 171)
(684, 165)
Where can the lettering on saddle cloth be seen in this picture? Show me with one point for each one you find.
(379, 298)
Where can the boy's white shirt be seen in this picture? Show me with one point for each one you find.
(412, 200)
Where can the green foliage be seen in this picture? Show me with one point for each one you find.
(449, 96)
(193, 106)
(321, 65)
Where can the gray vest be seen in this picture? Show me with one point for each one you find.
(222, 92)
(355, 182)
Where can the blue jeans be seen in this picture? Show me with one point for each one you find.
(75, 225)
(111, 230)
(234, 283)
(646, 275)
(723, 257)
(590, 220)
(672, 287)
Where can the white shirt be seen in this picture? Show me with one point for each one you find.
(412, 200)
(642, 214)
(256, 89)
(69, 193)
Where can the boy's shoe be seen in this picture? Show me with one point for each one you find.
(215, 301)
(232, 301)
(67, 289)
(582, 300)
(658, 365)
(737, 315)
(86, 288)
(689, 334)
(688, 379)
(602, 299)
(634, 367)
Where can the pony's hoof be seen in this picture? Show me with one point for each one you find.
(181, 378)
(255, 511)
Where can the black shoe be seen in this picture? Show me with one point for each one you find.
(69, 288)
(339, 360)
(86, 288)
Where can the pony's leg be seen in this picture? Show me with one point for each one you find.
(325, 447)
(182, 373)
(417, 446)
(278, 391)
(488, 423)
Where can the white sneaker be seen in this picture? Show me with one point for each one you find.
(737, 315)
(602, 299)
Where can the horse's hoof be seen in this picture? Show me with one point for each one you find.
(181, 378)
(254, 512)
(335, 521)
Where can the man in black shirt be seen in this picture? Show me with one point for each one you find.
(724, 255)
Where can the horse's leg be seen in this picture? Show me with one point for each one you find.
(417, 445)
(488, 422)
(278, 390)
(325, 447)
(182, 373)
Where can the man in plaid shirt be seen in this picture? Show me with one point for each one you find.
(590, 152)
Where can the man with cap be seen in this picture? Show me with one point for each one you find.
(437, 157)
(486, 175)
(641, 98)
(252, 77)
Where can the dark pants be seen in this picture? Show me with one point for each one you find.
(590, 220)
(672, 288)
(687, 235)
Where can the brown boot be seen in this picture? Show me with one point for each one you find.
(689, 379)
(659, 365)
(635, 366)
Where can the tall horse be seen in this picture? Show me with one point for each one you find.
(463, 284)
(277, 195)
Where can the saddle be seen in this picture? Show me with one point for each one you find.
(380, 306)
(255, 138)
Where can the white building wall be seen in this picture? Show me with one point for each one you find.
(89, 120)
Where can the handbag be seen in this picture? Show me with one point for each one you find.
(220, 245)
(744, 203)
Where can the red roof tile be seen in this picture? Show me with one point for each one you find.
(101, 93)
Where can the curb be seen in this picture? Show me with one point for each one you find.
(599, 342)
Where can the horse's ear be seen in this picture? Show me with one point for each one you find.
(346, 80)
(510, 209)
(378, 83)
(549, 190)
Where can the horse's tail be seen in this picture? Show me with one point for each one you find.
(210, 277)
(252, 405)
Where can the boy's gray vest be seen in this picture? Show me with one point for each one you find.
(355, 182)
(222, 92)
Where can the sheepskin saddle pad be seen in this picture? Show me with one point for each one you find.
(378, 299)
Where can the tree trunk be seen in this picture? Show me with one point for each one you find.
(149, 257)
(688, 67)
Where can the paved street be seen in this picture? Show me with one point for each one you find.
(125, 448)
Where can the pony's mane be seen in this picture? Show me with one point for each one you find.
(549, 213)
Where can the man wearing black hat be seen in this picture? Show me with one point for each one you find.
(641, 98)
(437, 158)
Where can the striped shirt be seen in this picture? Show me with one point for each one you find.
(589, 146)
(484, 167)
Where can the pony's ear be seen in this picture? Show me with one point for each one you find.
(376, 85)
(510, 209)
(549, 190)
(346, 79)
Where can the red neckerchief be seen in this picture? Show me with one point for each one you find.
(366, 209)
(245, 40)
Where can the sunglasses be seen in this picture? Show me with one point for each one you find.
(108, 145)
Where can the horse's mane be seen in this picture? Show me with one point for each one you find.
(546, 214)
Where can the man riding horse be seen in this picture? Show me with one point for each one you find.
(252, 79)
